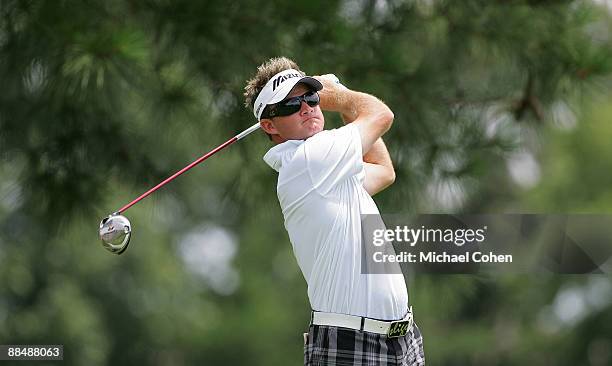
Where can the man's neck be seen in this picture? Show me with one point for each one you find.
(277, 139)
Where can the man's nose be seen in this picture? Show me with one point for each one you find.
(304, 107)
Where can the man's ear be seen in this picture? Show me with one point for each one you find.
(267, 125)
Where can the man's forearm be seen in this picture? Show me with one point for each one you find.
(378, 165)
(378, 154)
(373, 118)
(379, 171)
(352, 104)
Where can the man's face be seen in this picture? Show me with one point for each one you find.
(300, 125)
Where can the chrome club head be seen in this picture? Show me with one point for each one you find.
(115, 232)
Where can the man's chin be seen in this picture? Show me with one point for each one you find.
(313, 132)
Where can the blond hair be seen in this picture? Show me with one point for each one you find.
(265, 71)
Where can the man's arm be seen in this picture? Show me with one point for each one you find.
(373, 119)
(378, 166)
(379, 172)
(370, 114)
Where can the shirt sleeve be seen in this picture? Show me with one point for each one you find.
(333, 156)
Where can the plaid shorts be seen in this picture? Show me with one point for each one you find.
(326, 345)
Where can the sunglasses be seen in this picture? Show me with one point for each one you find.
(289, 106)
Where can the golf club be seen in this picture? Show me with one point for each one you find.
(115, 229)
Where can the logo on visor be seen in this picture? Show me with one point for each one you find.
(282, 78)
(258, 108)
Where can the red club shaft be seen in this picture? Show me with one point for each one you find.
(194, 163)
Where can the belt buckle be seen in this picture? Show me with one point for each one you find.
(399, 328)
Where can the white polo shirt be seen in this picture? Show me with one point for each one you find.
(321, 194)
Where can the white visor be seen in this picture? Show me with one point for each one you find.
(279, 86)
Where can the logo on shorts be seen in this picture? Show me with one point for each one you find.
(399, 329)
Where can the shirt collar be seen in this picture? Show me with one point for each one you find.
(281, 153)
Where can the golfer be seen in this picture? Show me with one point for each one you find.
(325, 182)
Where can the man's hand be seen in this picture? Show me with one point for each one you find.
(372, 117)
(333, 95)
